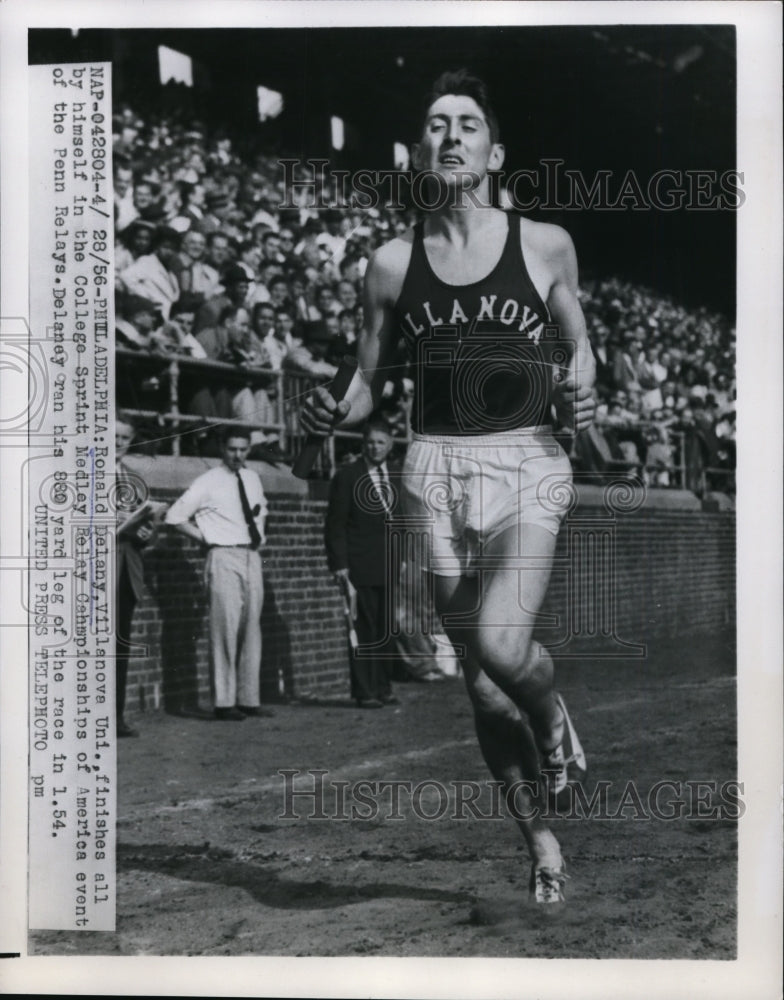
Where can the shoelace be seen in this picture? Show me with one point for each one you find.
(547, 884)
(557, 767)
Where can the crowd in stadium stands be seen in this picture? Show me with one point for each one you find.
(210, 266)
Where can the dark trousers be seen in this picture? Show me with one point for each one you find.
(126, 603)
(370, 673)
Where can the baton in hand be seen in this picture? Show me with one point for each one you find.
(313, 442)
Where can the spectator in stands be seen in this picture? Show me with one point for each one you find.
(153, 275)
(651, 375)
(298, 286)
(604, 355)
(705, 419)
(618, 413)
(284, 319)
(134, 329)
(309, 358)
(176, 335)
(725, 452)
(332, 323)
(346, 295)
(147, 201)
(279, 294)
(725, 400)
(333, 241)
(218, 206)
(659, 457)
(124, 210)
(133, 243)
(196, 275)
(325, 303)
(270, 248)
(347, 326)
(192, 203)
(236, 282)
(352, 267)
(308, 249)
(263, 320)
(275, 332)
(250, 256)
(221, 340)
(212, 398)
(286, 242)
(219, 251)
(625, 363)
(255, 402)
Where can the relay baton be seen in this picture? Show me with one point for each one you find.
(313, 442)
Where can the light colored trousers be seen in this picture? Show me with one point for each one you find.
(236, 592)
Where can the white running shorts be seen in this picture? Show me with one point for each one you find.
(464, 491)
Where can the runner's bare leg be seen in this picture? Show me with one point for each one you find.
(508, 674)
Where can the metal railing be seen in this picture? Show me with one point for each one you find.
(161, 374)
(167, 373)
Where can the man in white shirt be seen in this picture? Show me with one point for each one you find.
(124, 209)
(153, 276)
(225, 509)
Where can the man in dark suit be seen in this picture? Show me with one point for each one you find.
(361, 501)
(134, 533)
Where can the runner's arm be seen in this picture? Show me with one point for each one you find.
(574, 397)
(320, 413)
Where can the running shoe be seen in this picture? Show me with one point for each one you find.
(546, 884)
(565, 764)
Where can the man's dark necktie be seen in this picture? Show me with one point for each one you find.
(255, 537)
(384, 489)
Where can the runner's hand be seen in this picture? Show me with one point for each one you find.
(321, 413)
(575, 404)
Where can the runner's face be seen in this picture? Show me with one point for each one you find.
(456, 139)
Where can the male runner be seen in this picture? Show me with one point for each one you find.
(472, 290)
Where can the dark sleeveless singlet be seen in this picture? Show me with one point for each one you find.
(482, 354)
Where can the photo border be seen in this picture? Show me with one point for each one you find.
(759, 324)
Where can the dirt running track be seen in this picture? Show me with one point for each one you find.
(207, 867)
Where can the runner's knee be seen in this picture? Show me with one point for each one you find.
(504, 651)
(489, 700)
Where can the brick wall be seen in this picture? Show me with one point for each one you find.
(665, 573)
(304, 637)
(673, 571)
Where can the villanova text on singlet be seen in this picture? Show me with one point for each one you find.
(482, 354)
